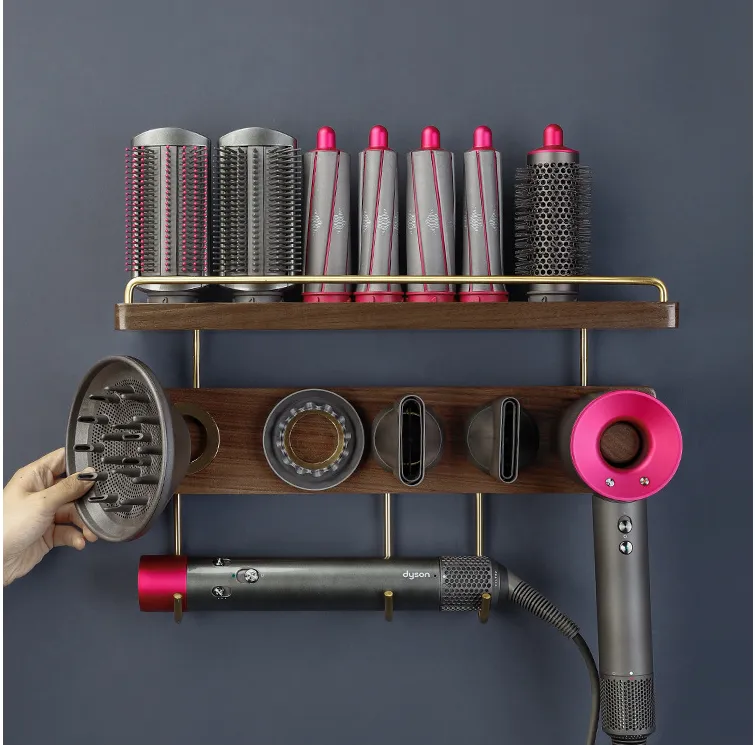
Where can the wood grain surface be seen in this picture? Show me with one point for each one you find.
(240, 466)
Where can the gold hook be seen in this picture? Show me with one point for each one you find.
(388, 598)
(484, 613)
(178, 607)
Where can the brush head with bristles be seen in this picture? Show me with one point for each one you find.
(552, 223)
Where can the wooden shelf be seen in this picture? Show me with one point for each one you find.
(335, 316)
(240, 466)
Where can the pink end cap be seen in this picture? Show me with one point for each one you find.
(430, 139)
(378, 138)
(326, 139)
(661, 453)
(482, 139)
(159, 578)
(553, 141)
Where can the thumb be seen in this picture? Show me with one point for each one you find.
(66, 490)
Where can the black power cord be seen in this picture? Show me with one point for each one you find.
(537, 604)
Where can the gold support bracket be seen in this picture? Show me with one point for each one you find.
(178, 607)
(479, 536)
(388, 600)
(387, 526)
(484, 613)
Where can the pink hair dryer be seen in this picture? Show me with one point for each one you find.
(625, 445)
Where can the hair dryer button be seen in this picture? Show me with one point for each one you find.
(248, 576)
(625, 547)
(625, 524)
(221, 593)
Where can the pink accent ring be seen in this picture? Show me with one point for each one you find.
(661, 445)
(160, 577)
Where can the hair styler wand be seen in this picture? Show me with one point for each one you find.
(445, 583)
(625, 445)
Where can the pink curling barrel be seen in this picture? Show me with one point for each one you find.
(624, 445)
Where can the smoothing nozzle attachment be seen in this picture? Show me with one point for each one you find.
(482, 251)
(167, 202)
(552, 218)
(430, 218)
(502, 438)
(378, 219)
(407, 440)
(327, 233)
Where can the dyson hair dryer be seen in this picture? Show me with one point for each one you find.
(625, 445)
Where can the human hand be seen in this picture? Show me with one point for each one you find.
(38, 511)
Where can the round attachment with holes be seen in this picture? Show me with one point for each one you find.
(123, 426)
(313, 439)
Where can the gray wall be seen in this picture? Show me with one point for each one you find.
(656, 94)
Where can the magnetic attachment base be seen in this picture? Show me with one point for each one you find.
(204, 433)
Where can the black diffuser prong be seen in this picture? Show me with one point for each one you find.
(119, 389)
(84, 448)
(127, 426)
(107, 398)
(151, 420)
(146, 480)
(136, 397)
(93, 476)
(128, 471)
(149, 450)
(98, 419)
(127, 437)
(103, 498)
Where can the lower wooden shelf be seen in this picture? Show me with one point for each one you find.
(240, 466)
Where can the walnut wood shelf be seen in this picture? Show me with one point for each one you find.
(334, 316)
(240, 466)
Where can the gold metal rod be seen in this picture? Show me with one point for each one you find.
(177, 497)
(478, 524)
(177, 524)
(132, 284)
(388, 601)
(387, 526)
(484, 613)
(178, 607)
(583, 357)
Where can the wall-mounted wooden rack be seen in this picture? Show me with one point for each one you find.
(334, 316)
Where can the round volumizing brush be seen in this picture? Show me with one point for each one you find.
(552, 218)
(167, 195)
(378, 218)
(430, 218)
(482, 219)
(326, 214)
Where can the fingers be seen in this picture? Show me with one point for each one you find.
(66, 490)
(69, 514)
(42, 472)
(67, 535)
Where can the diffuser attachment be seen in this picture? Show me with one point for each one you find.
(625, 445)
(257, 222)
(327, 233)
(430, 218)
(167, 195)
(502, 438)
(378, 218)
(122, 425)
(407, 440)
(313, 439)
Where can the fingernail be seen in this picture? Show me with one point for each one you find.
(88, 469)
(80, 543)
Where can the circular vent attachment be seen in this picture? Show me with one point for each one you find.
(122, 425)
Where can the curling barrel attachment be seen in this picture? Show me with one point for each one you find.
(257, 225)
(167, 202)
(378, 219)
(407, 440)
(327, 231)
(502, 438)
(430, 218)
(624, 445)
(122, 425)
(552, 217)
(482, 254)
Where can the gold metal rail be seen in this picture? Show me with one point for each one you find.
(397, 279)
